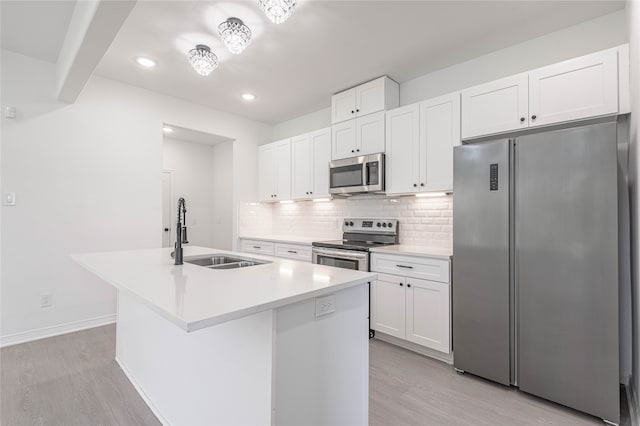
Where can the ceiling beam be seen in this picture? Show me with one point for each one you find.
(94, 25)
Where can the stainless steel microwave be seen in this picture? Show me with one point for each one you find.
(357, 175)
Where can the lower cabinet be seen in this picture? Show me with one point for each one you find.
(413, 309)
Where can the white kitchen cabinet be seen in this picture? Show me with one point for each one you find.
(293, 251)
(321, 153)
(310, 156)
(376, 95)
(403, 162)
(257, 247)
(274, 171)
(388, 305)
(420, 140)
(495, 107)
(580, 88)
(407, 306)
(428, 314)
(362, 136)
(574, 89)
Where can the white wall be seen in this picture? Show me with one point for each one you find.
(223, 212)
(587, 37)
(87, 178)
(633, 25)
(192, 165)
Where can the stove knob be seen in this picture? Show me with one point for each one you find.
(346, 223)
(350, 223)
(390, 225)
(384, 225)
(378, 224)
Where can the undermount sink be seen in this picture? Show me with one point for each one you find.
(222, 261)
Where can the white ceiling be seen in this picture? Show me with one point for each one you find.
(35, 28)
(190, 135)
(293, 68)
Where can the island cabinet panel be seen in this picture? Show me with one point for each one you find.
(322, 361)
(206, 377)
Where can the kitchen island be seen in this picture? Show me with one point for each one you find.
(285, 342)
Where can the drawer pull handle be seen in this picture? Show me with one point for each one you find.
(292, 251)
(408, 285)
(400, 284)
(405, 266)
(256, 247)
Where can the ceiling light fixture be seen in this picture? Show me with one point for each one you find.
(248, 96)
(235, 35)
(167, 129)
(203, 60)
(145, 62)
(277, 11)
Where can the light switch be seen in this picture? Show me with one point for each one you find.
(9, 198)
(10, 112)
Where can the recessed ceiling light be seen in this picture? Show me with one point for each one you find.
(145, 62)
(248, 96)
(167, 129)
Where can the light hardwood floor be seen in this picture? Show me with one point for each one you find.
(74, 380)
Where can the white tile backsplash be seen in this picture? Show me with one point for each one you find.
(423, 221)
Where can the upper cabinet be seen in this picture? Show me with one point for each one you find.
(310, 154)
(420, 140)
(571, 90)
(361, 136)
(377, 95)
(274, 171)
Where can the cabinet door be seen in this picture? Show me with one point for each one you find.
(428, 316)
(403, 153)
(266, 172)
(343, 140)
(388, 305)
(370, 134)
(321, 153)
(439, 133)
(343, 106)
(495, 107)
(283, 169)
(370, 97)
(301, 184)
(574, 89)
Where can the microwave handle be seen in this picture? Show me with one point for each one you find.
(365, 173)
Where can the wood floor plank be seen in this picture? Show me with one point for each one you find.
(74, 380)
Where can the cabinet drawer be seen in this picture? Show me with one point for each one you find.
(291, 251)
(414, 267)
(258, 247)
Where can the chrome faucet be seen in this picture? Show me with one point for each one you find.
(181, 232)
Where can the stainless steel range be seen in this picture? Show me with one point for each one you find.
(358, 237)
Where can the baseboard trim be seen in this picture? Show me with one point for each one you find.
(154, 409)
(633, 407)
(415, 348)
(56, 330)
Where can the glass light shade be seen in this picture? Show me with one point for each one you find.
(234, 34)
(203, 60)
(277, 11)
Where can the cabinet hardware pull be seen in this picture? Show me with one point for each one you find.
(415, 184)
(357, 110)
(422, 184)
(405, 266)
(533, 117)
(292, 251)
(256, 247)
(352, 112)
(400, 284)
(408, 285)
(352, 150)
(357, 150)
(522, 119)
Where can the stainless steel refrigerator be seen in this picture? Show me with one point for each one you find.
(535, 280)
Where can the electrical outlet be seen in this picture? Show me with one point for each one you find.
(46, 300)
(325, 305)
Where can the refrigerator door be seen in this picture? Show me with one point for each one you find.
(481, 260)
(566, 267)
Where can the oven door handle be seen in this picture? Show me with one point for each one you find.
(341, 254)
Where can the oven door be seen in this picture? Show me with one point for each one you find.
(347, 259)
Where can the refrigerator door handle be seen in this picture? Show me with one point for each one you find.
(513, 262)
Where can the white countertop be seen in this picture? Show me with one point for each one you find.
(288, 239)
(414, 250)
(195, 297)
